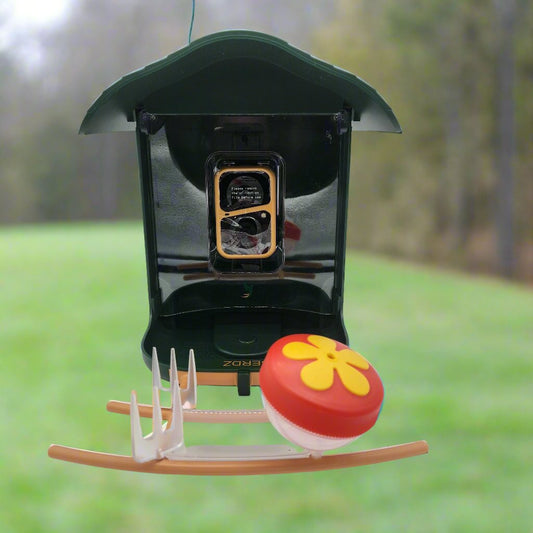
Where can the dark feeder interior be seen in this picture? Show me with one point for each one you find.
(244, 154)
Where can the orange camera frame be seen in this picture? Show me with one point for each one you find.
(270, 207)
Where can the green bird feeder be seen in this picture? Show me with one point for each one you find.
(244, 156)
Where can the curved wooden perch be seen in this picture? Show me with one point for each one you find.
(195, 415)
(242, 467)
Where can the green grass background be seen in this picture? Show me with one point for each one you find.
(454, 352)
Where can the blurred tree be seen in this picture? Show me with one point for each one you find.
(506, 13)
(17, 94)
(434, 197)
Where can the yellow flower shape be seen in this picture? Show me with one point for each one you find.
(319, 375)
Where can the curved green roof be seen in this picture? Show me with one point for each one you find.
(238, 72)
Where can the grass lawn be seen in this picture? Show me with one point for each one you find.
(455, 354)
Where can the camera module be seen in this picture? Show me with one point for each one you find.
(245, 212)
(245, 201)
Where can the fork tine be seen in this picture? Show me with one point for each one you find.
(156, 374)
(156, 387)
(189, 395)
(157, 417)
(172, 438)
(173, 367)
(141, 450)
(177, 409)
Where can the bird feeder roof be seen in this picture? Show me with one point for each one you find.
(239, 73)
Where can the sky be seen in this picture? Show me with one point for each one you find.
(18, 18)
(24, 13)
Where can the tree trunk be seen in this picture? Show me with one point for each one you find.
(506, 144)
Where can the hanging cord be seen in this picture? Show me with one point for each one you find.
(192, 19)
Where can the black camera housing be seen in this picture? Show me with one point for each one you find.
(245, 192)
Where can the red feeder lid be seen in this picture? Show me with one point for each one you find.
(321, 385)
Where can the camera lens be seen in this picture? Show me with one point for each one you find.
(246, 234)
(249, 225)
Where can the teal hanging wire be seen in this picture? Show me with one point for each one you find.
(192, 19)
